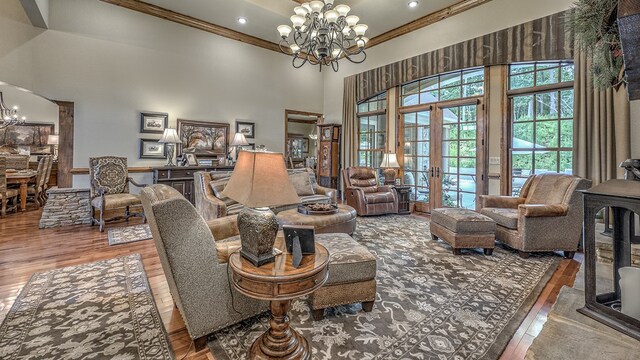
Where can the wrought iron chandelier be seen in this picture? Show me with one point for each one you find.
(322, 34)
(9, 115)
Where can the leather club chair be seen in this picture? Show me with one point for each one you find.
(363, 193)
(546, 216)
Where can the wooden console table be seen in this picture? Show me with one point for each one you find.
(181, 177)
(279, 282)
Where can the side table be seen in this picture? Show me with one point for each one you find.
(279, 282)
(403, 199)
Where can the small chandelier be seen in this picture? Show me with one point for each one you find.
(9, 115)
(322, 34)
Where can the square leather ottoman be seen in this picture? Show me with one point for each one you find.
(352, 275)
(463, 229)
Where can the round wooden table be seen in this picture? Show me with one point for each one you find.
(279, 282)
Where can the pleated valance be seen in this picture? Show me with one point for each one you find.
(548, 38)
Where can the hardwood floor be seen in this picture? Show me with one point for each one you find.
(24, 249)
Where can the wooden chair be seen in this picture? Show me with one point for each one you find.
(47, 177)
(6, 194)
(17, 162)
(110, 180)
(35, 192)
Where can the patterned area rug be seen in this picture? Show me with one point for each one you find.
(101, 310)
(430, 303)
(129, 234)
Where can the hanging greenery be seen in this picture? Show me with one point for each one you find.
(596, 30)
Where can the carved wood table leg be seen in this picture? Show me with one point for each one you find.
(280, 341)
(23, 195)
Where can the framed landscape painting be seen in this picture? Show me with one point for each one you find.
(153, 122)
(152, 149)
(203, 138)
(33, 136)
(246, 128)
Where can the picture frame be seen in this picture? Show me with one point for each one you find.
(246, 128)
(202, 138)
(153, 123)
(31, 137)
(192, 160)
(326, 133)
(305, 145)
(152, 149)
(246, 147)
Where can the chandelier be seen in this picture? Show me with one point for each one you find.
(9, 115)
(322, 34)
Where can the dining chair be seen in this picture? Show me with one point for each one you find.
(5, 193)
(35, 191)
(47, 177)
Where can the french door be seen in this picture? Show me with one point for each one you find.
(442, 150)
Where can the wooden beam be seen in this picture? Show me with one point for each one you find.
(187, 20)
(426, 20)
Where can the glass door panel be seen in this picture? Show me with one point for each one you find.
(417, 154)
(458, 157)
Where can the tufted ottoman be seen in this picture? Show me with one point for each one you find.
(352, 275)
(463, 229)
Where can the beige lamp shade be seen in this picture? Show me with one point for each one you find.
(239, 140)
(170, 136)
(53, 140)
(389, 160)
(260, 179)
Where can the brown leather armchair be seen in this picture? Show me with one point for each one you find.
(363, 193)
(546, 216)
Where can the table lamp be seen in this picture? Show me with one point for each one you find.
(170, 137)
(55, 141)
(258, 181)
(238, 140)
(389, 164)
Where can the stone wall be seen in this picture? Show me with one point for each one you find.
(66, 207)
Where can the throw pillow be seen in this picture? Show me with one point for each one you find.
(217, 186)
(302, 183)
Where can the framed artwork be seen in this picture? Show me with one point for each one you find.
(153, 122)
(246, 147)
(246, 128)
(326, 134)
(33, 137)
(305, 145)
(192, 160)
(203, 138)
(152, 149)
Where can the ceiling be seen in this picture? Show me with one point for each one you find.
(265, 15)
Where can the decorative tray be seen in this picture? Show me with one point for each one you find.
(318, 209)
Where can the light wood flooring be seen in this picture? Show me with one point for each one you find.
(25, 249)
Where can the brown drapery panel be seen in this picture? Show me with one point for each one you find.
(601, 135)
(349, 124)
(547, 38)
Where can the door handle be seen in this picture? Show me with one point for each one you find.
(432, 171)
(438, 172)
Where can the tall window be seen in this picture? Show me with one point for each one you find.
(541, 98)
(372, 117)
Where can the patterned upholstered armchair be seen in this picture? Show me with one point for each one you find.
(110, 180)
(546, 216)
(363, 193)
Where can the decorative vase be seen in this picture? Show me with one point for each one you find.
(258, 229)
(630, 291)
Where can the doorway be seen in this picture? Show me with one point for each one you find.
(442, 152)
(300, 138)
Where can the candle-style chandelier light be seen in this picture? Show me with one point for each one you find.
(9, 115)
(322, 34)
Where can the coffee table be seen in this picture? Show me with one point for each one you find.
(344, 221)
(279, 282)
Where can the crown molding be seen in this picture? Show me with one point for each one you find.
(187, 20)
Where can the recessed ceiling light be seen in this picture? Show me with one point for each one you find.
(413, 4)
(242, 20)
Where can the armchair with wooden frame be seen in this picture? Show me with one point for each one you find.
(110, 180)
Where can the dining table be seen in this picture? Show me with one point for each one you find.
(22, 177)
